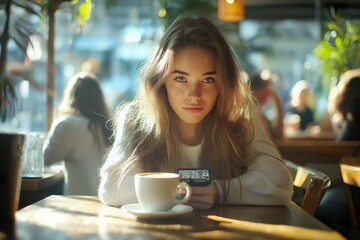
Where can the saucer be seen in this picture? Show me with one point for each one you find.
(136, 209)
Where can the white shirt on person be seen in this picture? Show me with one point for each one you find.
(267, 180)
(71, 141)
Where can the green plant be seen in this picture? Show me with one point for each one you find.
(13, 27)
(339, 50)
(17, 28)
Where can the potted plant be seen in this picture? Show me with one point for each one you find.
(339, 50)
(18, 29)
(15, 28)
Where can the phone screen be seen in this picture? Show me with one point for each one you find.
(194, 176)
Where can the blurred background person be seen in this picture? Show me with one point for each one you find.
(344, 106)
(269, 101)
(344, 109)
(300, 113)
(79, 136)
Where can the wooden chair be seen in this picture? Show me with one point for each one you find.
(309, 184)
(350, 172)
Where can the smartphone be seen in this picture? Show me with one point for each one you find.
(195, 176)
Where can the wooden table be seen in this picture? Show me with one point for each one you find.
(35, 189)
(317, 151)
(303, 135)
(84, 217)
(48, 179)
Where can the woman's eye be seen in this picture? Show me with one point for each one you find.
(209, 80)
(180, 79)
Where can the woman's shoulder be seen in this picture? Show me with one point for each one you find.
(70, 120)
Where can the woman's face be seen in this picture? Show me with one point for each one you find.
(193, 86)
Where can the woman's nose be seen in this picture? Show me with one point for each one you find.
(194, 93)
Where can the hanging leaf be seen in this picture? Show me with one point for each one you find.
(84, 12)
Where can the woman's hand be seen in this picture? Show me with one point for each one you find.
(203, 198)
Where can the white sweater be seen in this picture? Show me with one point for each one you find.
(71, 141)
(267, 180)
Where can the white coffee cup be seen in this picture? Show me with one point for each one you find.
(156, 191)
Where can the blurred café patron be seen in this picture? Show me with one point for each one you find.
(344, 106)
(79, 136)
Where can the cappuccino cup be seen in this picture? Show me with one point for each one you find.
(158, 191)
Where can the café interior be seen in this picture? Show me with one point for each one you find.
(284, 42)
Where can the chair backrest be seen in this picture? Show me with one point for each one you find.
(350, 172)
(313, 184)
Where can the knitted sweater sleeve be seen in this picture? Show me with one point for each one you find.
(267, 180)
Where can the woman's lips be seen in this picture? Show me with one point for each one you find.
(193, 109)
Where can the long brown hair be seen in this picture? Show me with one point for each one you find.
(83, 95)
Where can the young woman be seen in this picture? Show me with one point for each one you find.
(79, 137)
(194, 109)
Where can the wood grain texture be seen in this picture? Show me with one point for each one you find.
(84, 217)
